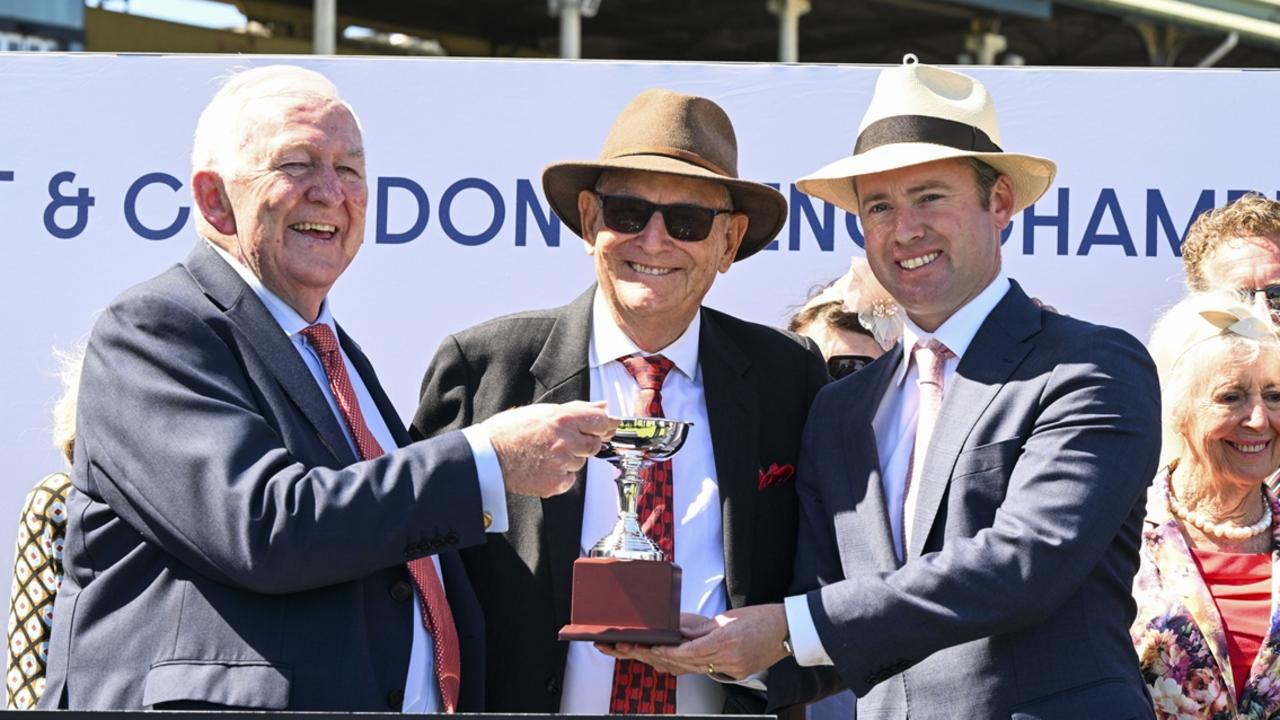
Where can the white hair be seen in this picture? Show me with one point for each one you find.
(223, 125)
(1188, 350)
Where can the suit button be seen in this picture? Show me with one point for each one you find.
(400, 591)
(553, 685)
(436, 543)
(451, 538)
(395, 699)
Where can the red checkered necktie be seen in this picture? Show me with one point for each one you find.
(437, 617)
(639, 688)
(931, 358)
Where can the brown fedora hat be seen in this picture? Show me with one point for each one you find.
(668, 132)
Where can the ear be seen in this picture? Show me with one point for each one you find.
(211, 199)
(735, 232)
(589, 215)
(1002, 201)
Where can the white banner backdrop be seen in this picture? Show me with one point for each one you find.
(94, 198)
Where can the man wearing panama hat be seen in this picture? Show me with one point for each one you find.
(971, 533)
(661, 212)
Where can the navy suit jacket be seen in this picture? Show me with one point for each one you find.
(224, 546)
(1015, 599)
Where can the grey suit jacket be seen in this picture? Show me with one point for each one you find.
(223, 544)
(1015, 598)
(758, 382)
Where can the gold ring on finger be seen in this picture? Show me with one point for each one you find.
(711, 668)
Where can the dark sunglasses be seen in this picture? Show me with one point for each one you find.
(1272, 292)
(630, 215)
(839, 366)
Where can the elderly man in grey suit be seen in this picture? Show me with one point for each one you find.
(250, 525)
(662, 212)
(971, 502)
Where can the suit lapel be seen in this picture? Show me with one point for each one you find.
(1002, 341)
(561, 374)
(365, 369)
(733, 411)
(869, 524)
(226, 288)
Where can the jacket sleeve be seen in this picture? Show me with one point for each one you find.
(179, 441)
(445, 401)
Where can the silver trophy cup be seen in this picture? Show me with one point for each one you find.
(638, 443)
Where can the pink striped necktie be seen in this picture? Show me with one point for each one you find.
(437, 617)
(931, 359)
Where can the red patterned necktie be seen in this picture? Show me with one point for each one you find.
(437, 617)
(931, 358)
(639, 688)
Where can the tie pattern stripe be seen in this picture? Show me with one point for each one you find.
(437, 616)
(639, 688)
(931, 359)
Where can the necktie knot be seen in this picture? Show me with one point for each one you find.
(321, 338)
(649, 371)
(931, 357)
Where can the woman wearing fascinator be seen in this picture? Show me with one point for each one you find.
(1207, 631)
(853, 320)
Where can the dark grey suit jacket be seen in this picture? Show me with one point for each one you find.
(759, 383)
(223, 544)
(1015, 599)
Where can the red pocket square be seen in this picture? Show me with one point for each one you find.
(775, 475)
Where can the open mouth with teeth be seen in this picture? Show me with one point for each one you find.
(1250, 448)
(919, 262)
(649, 269)
(319, 231)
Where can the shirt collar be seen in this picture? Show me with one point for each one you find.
(609, 342)
(286, 317)
(956, 332)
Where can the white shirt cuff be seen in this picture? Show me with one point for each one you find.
(493, 490)
(805, 642)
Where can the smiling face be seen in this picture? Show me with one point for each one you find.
(654, 284)
(298, 196)
(1231, 421)
(929, 239)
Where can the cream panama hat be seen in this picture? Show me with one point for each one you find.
(921, 113)
(667, 132)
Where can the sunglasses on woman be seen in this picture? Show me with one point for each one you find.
(839, 366)
(629, 215)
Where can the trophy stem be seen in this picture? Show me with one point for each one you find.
(627, 541)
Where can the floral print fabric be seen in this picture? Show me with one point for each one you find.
(1179, 635)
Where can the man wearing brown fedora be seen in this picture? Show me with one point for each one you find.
(661, 213)
(971, 533)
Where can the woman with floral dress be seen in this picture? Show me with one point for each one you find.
(1207, 631)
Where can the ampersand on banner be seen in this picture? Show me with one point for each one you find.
(81, 201)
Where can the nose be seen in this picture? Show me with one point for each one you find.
(1260, 303)
(654, 232)
(326, 188)
(907, 225)
(1257, 417)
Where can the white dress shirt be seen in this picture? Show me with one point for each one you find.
(895, 429)
(695, 494)
(421, 692)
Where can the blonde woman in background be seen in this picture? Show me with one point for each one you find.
(37, 565)
(1206, 628)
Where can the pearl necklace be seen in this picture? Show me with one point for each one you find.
(1201, 522)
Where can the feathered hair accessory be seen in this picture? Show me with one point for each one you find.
(860, 293)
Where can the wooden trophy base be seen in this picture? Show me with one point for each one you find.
(633, 601)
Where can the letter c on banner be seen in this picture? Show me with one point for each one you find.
(131, 207)
(446, 220)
